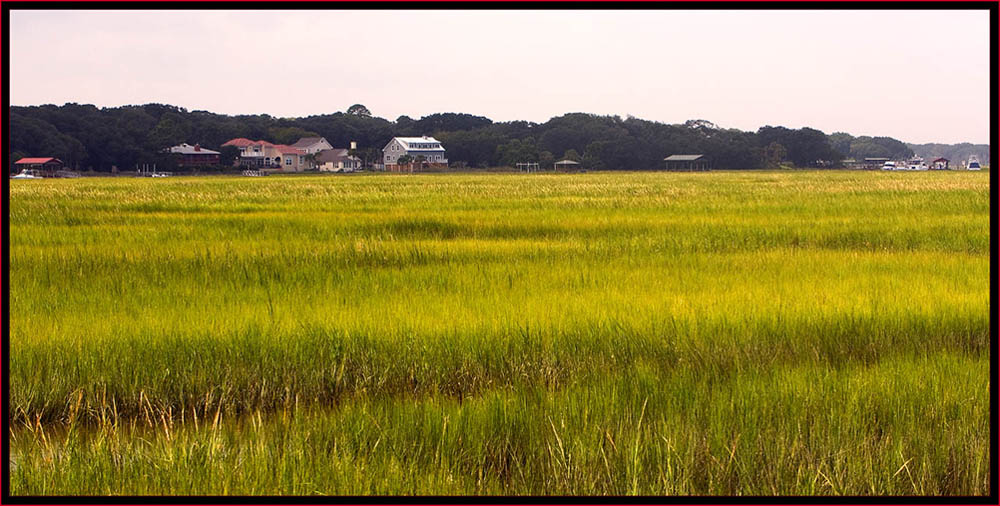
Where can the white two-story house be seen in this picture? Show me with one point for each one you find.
(428, 147)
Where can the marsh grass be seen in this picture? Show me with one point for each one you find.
(720, 333)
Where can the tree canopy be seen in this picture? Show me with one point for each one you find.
(85, 136)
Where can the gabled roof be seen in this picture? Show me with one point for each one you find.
(36, 161)
(305, 142)
(333, 155)
(682, 158)
(405, 141)
(242, 142)
(567, 162)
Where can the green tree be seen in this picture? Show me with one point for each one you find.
(571, 154)
(515, 151)
(774, 155)
(359, 110)
(289, 134)
(406, 160)
(312, 161)
(545, 160)
(228, 155)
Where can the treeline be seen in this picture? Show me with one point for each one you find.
(956, 153)
(91, 138)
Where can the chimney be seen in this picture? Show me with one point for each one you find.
(354, 145)
(197, 147)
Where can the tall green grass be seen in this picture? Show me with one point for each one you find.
(787, 333)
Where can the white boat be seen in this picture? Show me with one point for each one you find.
(973, 163)
(916, 163)
(26, 174)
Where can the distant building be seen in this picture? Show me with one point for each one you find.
(337, 160)
(41, 166)
(292, 159)
(265, 155)
(428, 147)
(940, 163)
(194, 156)
(566, 165)
(851, 163)
(873, 163)
(312, 145)
(687, 162)
(253, 153)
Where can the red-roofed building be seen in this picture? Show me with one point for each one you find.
(47, 166)
(265, 155)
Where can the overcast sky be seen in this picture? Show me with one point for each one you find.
(919, 76)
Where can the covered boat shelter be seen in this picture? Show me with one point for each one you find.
(44, 166)
(566, 164)
(687, 162)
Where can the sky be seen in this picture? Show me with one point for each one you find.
(919, 76)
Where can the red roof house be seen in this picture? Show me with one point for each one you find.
(47, 165)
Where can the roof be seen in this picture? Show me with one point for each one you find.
(942, 159)
(334, 155)
(35, 161)
(289, 150)
(876, 159)
(242, 142)
(305, 142)
(405, 141)
(239, 142)
(187, 149)
(567, 162)
(682, 158)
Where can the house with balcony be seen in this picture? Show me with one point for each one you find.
(429, 148)
(253, 154)
(269, 156)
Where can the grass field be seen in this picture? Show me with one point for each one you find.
(641, 333)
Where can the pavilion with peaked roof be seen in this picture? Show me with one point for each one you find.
(46, 165)
(566, 164)
(687, 162)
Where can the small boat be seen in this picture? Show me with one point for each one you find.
(973, 163)
(26, 174)
(917, 163)
(890, 165)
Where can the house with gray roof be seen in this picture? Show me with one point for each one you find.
(337, 160)
(429, 148)
(312, 144)
(687, 162)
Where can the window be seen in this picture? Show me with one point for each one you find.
(288, 160)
